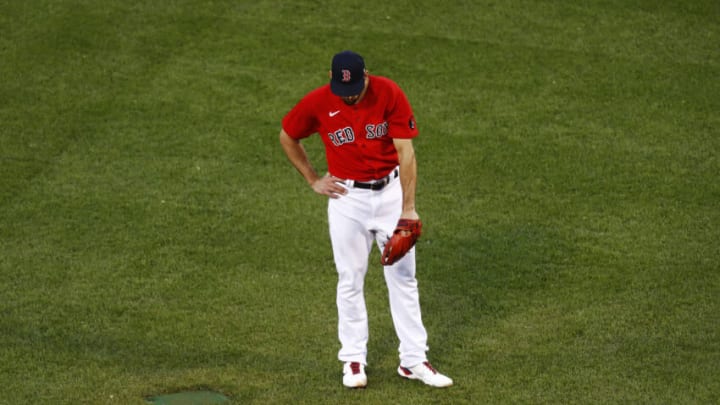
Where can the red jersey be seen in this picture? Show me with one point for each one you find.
(358, 138)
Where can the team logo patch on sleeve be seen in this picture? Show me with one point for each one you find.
(411, 123)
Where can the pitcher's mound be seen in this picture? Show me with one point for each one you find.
(189, 398)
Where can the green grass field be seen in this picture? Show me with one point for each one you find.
(154, 239)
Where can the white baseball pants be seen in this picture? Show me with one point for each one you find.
(355, 220)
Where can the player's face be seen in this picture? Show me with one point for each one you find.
(352, 100)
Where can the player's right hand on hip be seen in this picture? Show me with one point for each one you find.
(330, 186)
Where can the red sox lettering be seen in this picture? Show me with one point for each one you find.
(346, 134)
(374, 131)
(342, 136)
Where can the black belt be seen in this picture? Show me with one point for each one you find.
(378, 184)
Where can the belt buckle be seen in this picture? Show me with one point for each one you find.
(380, 184)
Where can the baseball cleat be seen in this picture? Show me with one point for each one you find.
(354, 375)
(425, 373)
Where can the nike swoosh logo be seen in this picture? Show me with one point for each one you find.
(334, 113)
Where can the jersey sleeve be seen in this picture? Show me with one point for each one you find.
(400, 117)
(300, 122)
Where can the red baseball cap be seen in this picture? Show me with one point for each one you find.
(348, 74)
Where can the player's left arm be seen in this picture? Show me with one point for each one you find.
(408, 176)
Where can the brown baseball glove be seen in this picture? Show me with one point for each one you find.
(403, 239)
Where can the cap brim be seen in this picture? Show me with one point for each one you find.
(347, 90)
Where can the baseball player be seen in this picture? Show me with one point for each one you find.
(367, 126)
